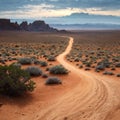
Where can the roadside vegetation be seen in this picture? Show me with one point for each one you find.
(14, 81)
(25, 56)
(98, 51)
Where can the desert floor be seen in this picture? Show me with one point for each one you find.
(84, 95)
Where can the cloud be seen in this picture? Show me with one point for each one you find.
(53, 0)
(104, 4)
(49, 10)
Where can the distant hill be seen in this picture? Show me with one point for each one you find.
(84, 18)
(6, 24)
(86, 26)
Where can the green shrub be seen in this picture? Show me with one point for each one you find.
(14, 81)
(25, 61)
(34, 71)
(36, 62)
(118, 75)
(58, 69)
(44, 75)
(108, 73)
(17, 65)
(117, 65)
(81, 66)
(100, 67)
(43, 63)
(51, 58)
(53, 80)
(87, 68)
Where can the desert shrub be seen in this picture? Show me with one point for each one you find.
(97, 70)
(47, 69)
(58, 69)
(76, 60)
(115, 59)
(44, 75)
(105, 63)
(2, 61)
(113, 68)
(88, 64)
(51, 58)
(53, 80)
(34, 71)
(108, 73)
(118, 75)
(25, 61)
(43, 63)
(37, 62)
(17, 65)
(100, 67)
(14, 81)
(81, 66)
(117, 65)
(87, 68)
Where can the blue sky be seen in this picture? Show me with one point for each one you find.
(47, 9)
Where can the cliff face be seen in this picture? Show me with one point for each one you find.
(6, 24)
(40, 26)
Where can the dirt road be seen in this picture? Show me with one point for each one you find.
(94, 98)
(85, 96)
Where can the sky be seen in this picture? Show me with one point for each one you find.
(52, 9)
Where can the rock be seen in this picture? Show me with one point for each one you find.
(24, 26)
(6, 24)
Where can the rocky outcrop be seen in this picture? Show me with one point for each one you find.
(6, 24)
(40, 26)
(24, 26)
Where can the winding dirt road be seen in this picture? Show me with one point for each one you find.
(85, 96)
(93, 98)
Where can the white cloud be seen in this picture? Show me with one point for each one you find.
(54, 0)
(46, 10)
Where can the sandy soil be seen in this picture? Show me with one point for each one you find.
(83, 96)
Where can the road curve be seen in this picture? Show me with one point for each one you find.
(95, 97)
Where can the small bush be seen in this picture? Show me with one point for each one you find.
(2, 61)
(108, 73)
(76, 60)
(113, 68)
(25, 61)
(43, 63)
(14, 81)
(53, 80)
(17, 65)
(117, 65)
(44, 75)
(47, 69)
(34, 71)
(36, 62)
(100, 67)
(81, 66)
(58, 69)
(118, 75)
(87, 68)
(51, 58)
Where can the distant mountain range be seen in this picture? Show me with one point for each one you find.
(86, 26)
(84, 18)
(76, 21)
(6, 24)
